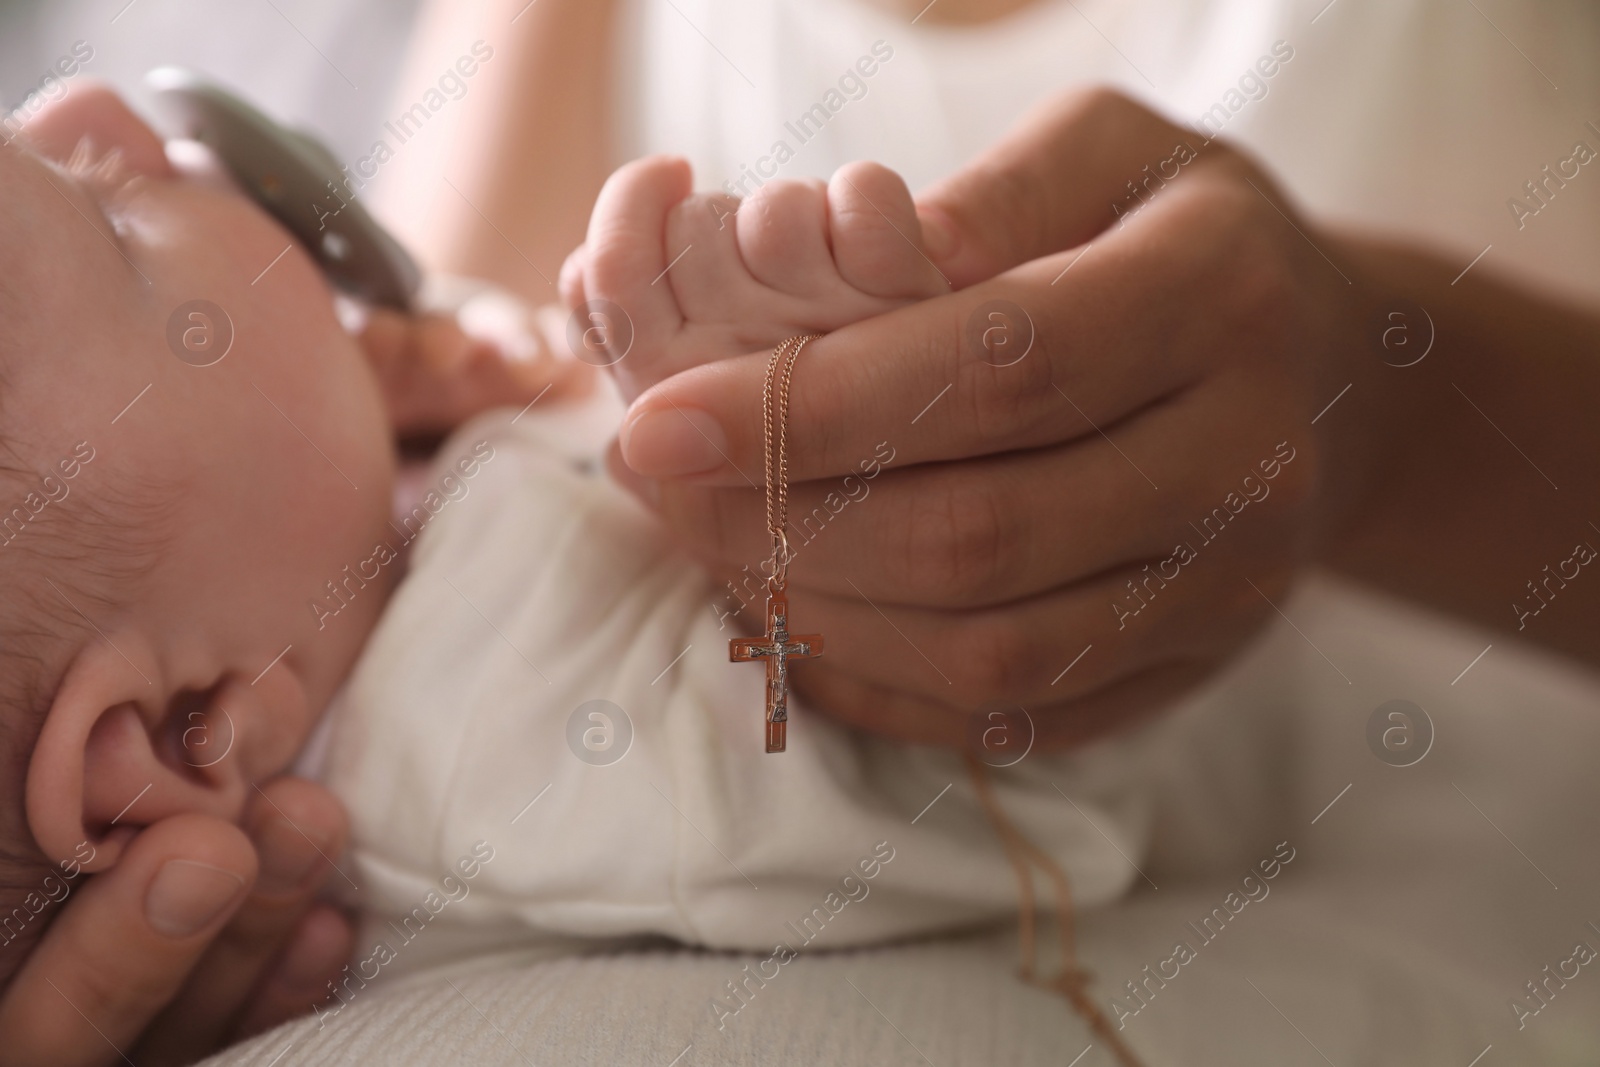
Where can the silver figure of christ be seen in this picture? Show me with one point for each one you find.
(777, 647)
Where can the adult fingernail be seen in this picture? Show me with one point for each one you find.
(672, 443)
(287, 857)
(185, 897)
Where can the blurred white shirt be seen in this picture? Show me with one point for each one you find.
(1415, 117)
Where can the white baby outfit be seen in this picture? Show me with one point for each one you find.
(540, 586)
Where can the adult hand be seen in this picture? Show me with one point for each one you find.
(1105, 470)
(152, 962)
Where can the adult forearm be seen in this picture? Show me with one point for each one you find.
(1485, 500)
(531, 143)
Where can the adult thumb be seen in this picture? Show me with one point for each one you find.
(1057, 180)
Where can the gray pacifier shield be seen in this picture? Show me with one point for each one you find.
(289, 174)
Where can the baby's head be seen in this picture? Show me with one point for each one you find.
(164, 526)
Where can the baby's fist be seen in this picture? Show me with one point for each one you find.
(669, 279)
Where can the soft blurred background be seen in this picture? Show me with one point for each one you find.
(1417, 117)
(329, 66)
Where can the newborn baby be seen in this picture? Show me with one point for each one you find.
(541, 735)
(552, 677)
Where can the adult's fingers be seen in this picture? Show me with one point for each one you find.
(890, 712)
(978, 533)
(1029, 651)
(1045, 353)
(124, 944)
(298, 828)
(319, 948)
(1062, 176)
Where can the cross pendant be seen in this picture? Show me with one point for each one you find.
(778, 647)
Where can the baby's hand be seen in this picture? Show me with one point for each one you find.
(704, 277)
(438, 370)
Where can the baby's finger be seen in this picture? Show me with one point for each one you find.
(441, 346)
(877, 238)
(783, 238)
(707, 271)
(570, 282)
(298, 828)
(124, 944)
(439, 370)
(385, 338)
(626, 253)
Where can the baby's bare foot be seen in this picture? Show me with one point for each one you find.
(702, 277)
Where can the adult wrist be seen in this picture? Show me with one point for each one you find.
(1365, 412)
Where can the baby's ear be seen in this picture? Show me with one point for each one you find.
(117, 753)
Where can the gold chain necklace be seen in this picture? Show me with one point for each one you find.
(777, 646)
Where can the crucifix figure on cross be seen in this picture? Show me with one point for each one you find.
(777, 647)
